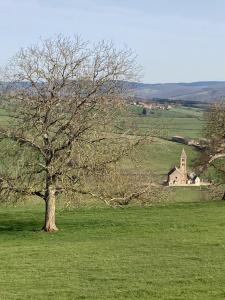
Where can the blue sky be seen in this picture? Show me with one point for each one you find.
(176, 40)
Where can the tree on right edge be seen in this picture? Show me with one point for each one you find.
(213, 155)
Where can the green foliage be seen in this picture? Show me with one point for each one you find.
(161, 252)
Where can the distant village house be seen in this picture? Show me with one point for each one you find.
(152, 105)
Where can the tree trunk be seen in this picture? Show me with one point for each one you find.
(50, 225)
(223, 198)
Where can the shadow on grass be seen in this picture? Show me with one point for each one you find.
(16, 226)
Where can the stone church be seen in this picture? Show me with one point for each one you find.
(180, 176)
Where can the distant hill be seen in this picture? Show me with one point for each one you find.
(207, 91)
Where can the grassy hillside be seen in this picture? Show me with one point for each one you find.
(161, 155)
(162, 252)
(158, 157)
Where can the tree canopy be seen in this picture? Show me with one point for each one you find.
(64, 98)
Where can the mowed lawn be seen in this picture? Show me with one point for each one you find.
(174, 251)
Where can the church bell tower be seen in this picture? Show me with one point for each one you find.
(183, 165)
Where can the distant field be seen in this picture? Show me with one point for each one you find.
(167, 252)
(182, 121)
(177, 121)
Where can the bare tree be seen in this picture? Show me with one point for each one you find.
(64, 98)
(213, 157)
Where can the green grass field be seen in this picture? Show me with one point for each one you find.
(171, 250)
(174, 251)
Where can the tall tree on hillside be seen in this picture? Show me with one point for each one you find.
(214, 154)
(64, 98)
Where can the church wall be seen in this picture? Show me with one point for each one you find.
(175, 178)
